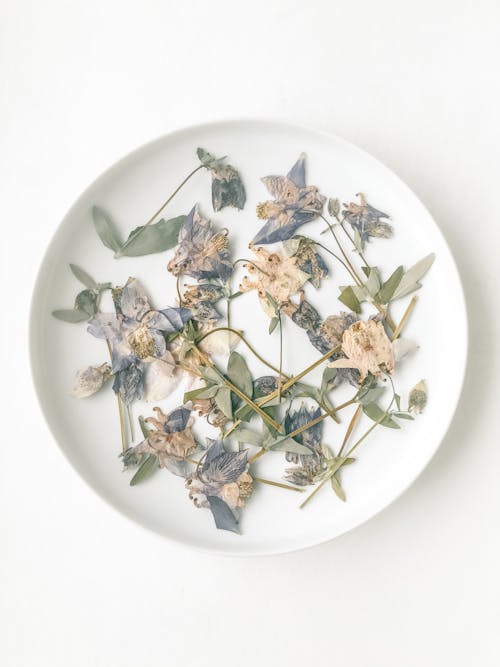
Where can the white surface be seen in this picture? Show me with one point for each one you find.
(415, 84)
(88, 431)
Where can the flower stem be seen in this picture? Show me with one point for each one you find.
(156, 213)
(278, 484)
(350, 428)
(120, 409)
(405, 317)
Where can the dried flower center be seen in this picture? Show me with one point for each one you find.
(142, 343)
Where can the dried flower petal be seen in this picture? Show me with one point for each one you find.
(367, 348)
(366, 220)
(89, 380)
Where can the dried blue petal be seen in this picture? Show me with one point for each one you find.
(128, 383)
(312, 436)
(367, 220)
(223, 515)
(177, 420)
(226, 468)
(202, 252)
(215, 448)
(134, 302)
(294, 205)
(265, 385)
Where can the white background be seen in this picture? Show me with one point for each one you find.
(414, 83)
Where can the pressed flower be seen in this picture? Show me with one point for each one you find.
(294, 203)
(200, 298)
(227, 186)
(207, 407)
(308, 260)
(367, 349)
(89, 380)
(303, 314)
(223, 476)
(274, 274)
(171, 439)
(202, 252)
(367, 220)
(136, 335)
(311, 465)
(418, 398)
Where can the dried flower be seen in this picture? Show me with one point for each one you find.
(200, 298)
(89, 380)
(367, 220)
(418, 398)
(227, 186)
(293, 205)
(308, 260)
(136, 335)
(367, 348)
(202, 253)
(311, 465)
(274, 274)
(171, 440)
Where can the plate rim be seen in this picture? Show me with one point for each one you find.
(292, 126)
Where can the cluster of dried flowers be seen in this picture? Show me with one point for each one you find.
(151, 350)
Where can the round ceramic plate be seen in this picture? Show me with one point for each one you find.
(88, 431)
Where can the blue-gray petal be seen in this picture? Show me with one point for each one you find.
(177, 420)
(214, 449)
(223, 515)
(297, 173)
(272, 232)
(226, 468)
(128, 383)
(134, 301)
(173, 319)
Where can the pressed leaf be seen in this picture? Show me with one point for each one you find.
(358, 241)
(333, 207)
(372, 285)
(212, 376)
(235, 295)
(145, 470)
(201, 392)
(105, 229)
(150, 239)
(247, 436)
(339, 491)
(388, 289)
(223, 515)
(376, 413)
(410, 280)
(238, 373)
(402, 415)
(143, 426)
(290, 445)
(349, 299)
(223, 401)
(83, 277)
(72, 315)
(371, 395)
(273, 324)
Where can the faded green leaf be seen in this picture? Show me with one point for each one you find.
(402, 415)
(223, 401)
(376, 413)
(349, 299)
(105, 229)
(150, 239)
(247, 436)
(235, 295)
(273, 324)
(201, 392)
(371, 395)
(145, 470)
(410, 280)
(372, 285)
(388, 289)
(238, 373)
(83, 277)
(358, 241)
(72, 315)
(290, 445)
(333, 207)
(212, 376)
(143, 426)
(86, 301)
(339, 491)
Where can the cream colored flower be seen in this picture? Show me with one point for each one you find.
(367, 348)
(89, 380)
(274, 274)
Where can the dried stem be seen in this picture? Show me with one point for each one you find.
(350, 428)
(278, 484)
(405, 317)
(120, 409)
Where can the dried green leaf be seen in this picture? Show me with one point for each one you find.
(410, 281)
(371, 395)
(150, 239)
(388, 289)
(339, 491)
(86, 301)
(372, 285)
(333, 207)
(72, 315)
(349, 299)
(358, 241)
(223, 401)
(83, 277)
(145, 470)
(247, 436)
(402, 415)
(235, 295)
(273, 324)
(201, 392)
(238, 373)
(289, 445)
(106, 229)
(376, 413)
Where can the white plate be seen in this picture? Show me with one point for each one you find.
(87, 430)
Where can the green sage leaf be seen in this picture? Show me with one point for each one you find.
(349, 299)
(376, 413)
(411, 279)
(150, 239)
(201, 392)
(83, 277)
(273, 324)
(145, 470)
(106, 229)
(223, 401)
(289, 445)
(86, 301)
(339, 491)
(388, 289)
(238, 373)
(72, 315)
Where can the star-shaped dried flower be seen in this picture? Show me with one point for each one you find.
(202, 252)
(171, 439)
(367, 220)
(222, 484)
(367, 349)
(135, 333)
(227, 186)
(294, 203)
(308, 260)
(274, 274)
